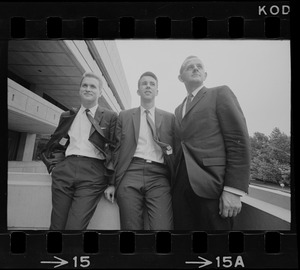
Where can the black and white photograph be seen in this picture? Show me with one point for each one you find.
(149, 135)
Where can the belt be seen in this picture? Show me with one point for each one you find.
(77, 156)
(148, 161)
(80, 156)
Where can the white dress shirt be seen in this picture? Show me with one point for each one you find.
(146, 147)
(79, 136)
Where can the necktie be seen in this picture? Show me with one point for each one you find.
(188, 103)
(166, 148)
(106, 151)
(93, 122)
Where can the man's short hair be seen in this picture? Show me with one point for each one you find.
(148, 73)
(185, 62)
(89, 74)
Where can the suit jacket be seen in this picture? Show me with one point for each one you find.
(54, 151)
(127, 134)
(213, 139)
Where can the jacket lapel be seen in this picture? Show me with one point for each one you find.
(178, 111)
(196, 99)
(99, 114)
(66, 122)
(136, 118)
(98, 117)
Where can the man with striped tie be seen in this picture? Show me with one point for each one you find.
(144, 162)
(78, 157)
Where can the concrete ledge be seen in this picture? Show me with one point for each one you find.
(253, 219)
(272, 196)
(26, 166)
(264, 209)
(29, 206)
(271, 209)
(29, 200)
(25, 179)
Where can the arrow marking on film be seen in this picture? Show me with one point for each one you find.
(202, 263)
(59, 263)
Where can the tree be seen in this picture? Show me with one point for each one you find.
(258, 144)
(280, 145)
(270, 157)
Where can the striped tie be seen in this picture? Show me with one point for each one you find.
(166, 148)
(188, 103)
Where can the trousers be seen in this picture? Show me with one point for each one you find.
(192, 212)
(77, 186)
(145, 188)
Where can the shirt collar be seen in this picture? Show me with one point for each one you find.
(92, 110)
(195, 92)
(152, 110)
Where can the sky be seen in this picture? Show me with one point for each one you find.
(257, 71)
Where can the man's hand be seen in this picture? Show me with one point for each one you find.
(230, 204)
(110, 193)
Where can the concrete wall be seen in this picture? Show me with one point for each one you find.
(252, 218)
(25, 167)
(29, 204)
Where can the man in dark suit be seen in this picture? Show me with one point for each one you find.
(213, 160)
(144, 162)
(78, 157)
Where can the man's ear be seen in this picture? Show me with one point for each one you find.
(205, 76)
(179, 78)
(138, 92)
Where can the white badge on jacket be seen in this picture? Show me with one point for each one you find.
(63, 141)
(169, 150)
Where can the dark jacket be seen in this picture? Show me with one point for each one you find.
(54, 151)
(127, 134)
(213, 139)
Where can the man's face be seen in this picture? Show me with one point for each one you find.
(89, 90)
(193, 72)
(147, 88)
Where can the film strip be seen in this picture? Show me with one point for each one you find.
(263, 20)
(148, 250)
(266, 21)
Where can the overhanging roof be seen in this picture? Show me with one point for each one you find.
(49, 66)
